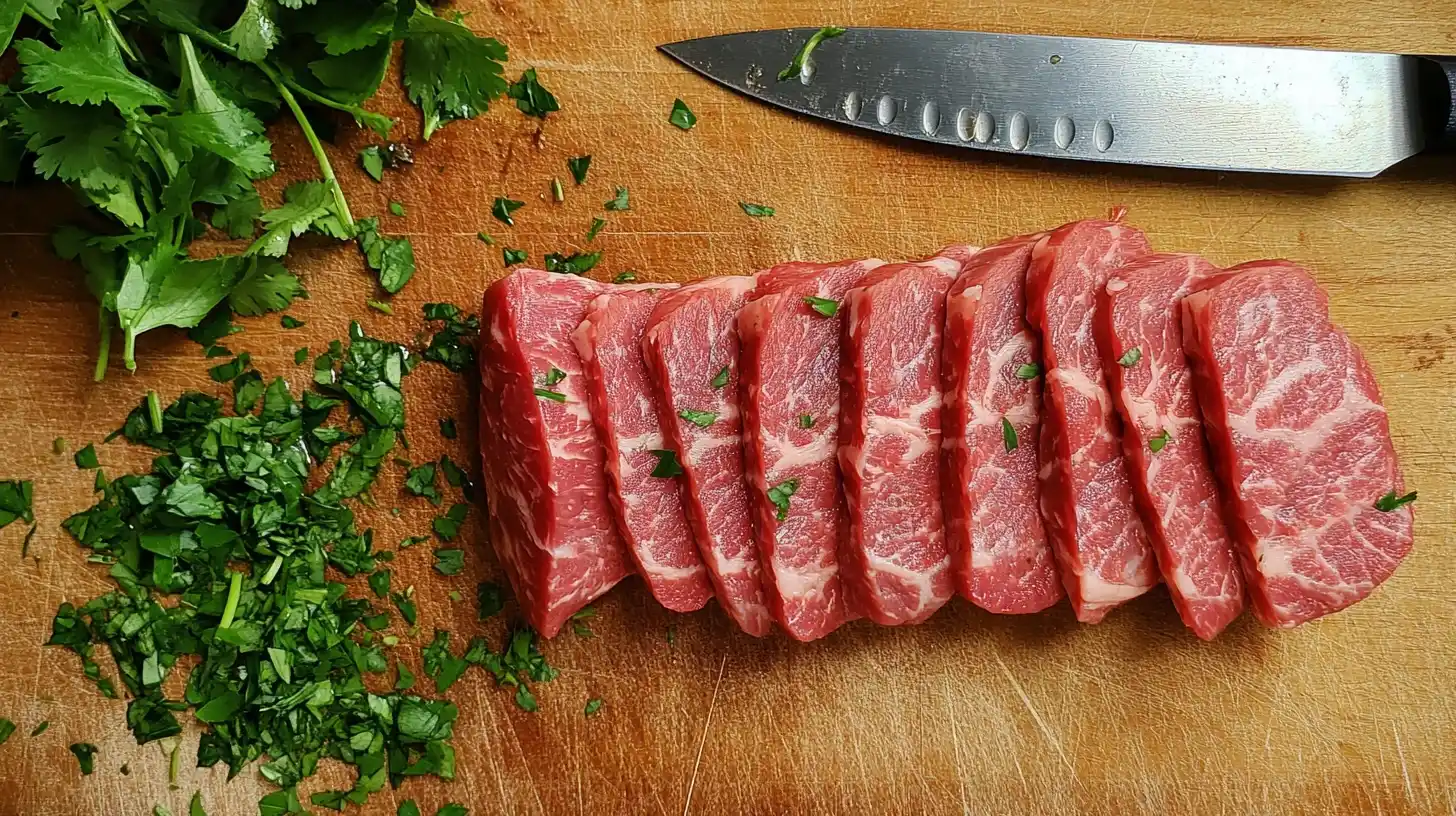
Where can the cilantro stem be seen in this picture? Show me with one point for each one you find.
(39, 18)
(154, 409)
(325, 167)
(105, 14)
(272, 570)
(235, 588)
(103, 356)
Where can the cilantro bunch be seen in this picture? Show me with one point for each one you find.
(154, 112)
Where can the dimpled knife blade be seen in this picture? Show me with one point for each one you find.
(1218, 107)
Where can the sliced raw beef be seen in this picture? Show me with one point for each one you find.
(1086, 498)
(1140, 335)
(647, 507)
(896, 565)
(691, 350)
(789, 365)
(543, 466)
(992, 373)
(1300, 442)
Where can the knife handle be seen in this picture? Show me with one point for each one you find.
(1438, 101)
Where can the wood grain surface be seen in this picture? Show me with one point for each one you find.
(968, 713)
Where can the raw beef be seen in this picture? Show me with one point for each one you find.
(543, 466)
(1086, 499)
(691, 350)
(1300, 442)
(992, 373)
(1140, 335)
(647, 508)
(789, 365)
(895, 563)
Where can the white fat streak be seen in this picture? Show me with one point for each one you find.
(792, 457)
(1097, 592)
(660, 571)
(1077, 380)
(1307, 440)
(704, 443)
(923, 582)
(981, 413)
(911, 427)
(803, 583)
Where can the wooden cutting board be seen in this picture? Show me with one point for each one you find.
(968, 713)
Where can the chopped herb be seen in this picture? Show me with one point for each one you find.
(720, 379)
(15, 502)
(452, 809)
(824, 306)
(405, 603)
(756, 210)
(404, 678)
(502, 209)
(420, 481)
(194, 807)
(511, 257)
(409, 541)
(485, 238)
(490, 599)
(396, 209)
(596, 227)
(682, 117)
(380, 306)
(671, 635)
(667, 465)
(1130, 357)
(290, 322)
(85, 755)
(30, 534)
(780, 494)
(801, 60)
(577, 263)
(6, 729)
(554, 376)
(555, 396)
(447, 428)
(231, 370)
(1008, 434)
(625, 277)
(579, 165)
(620, 202)
(1028, 371)
(408, 808)
(86, 458)
(379, 582)
(702, 419)
(557, 193)
(392, 259)
(593, 707)
(450, 345)
(1390, 501)
(371, 159)
(300, 356)
(449, 562)
(579, 620)
(448, 525)
(531, 96)
(806, 421)
(41, 728)
(1157, 443)
(441, 664)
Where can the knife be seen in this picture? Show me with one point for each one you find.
(1172, 104)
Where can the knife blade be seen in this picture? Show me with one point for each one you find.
(1217, 107)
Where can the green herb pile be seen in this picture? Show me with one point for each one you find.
(154, 111)
(223, 557)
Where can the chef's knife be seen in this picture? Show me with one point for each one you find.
(1220, 107)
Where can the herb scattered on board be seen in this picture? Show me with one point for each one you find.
(380, 306)
(702, 419)
(448, 525)
(531, 96)
(1028, 371)
(511, 257)
(780, 494)
(579, 165)
(15, 502)
(392, 259)
(682, 117)
(85, 756)
(6, 729)
(620, 202)
(40, 728)
(447, 428)
(450, 345)
(801, 60)
(579, 625)
(1160, 441)
(155, 114)
(625, 277)
(420, 481)
(577, 263)
(1008, 435)
(554, 376)
(558, 193)
(485, 238)
(667, 465)
(290, 322)
(596, 228)
(396, 209)
(756, 210)
(1130, 357)
(824, 306)
(449, 562)
(593, 707)
(371, 159)
(490, 599)
(86, 458)
(1391, 501)
(503, 208)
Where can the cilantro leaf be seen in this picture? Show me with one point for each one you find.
(511, 257)
(596, 227)
(450, 344)
(490, 599)
(266, 286)
(579, 165)
(448, 525)
(420, 481)
(371, 159)
(625, 277)
(216, 124)
(667, 465)
(86, 458)
(88, 68)
(756, 210)
(682, 117)
(255, 32)
(85, 756)
(448, 429)
(1386, 503)
(84, 146)
(1130, 357)
(577, 263)
(621, 202)
(780, 494)
(392, 258)
(307, 205)
(531, 96)
(593, 707)
(449, 72)
(824, 306)
(502, 209)
(162, 289)
(6, 729)
(408, 808)
(702, 419)
(1028, 371)
(720, 379)
(1160, 441)
(449, 562)
(1008, 435)
(800, 63)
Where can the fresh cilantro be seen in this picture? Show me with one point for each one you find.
(756, 210)
(404, 679)
(1130, 357)
(396, 209)
(625, 277)
(824, 306)
(554, 396)
(682, 117)
(579, 619)
(485, 238)
(379, 581)
(300, 356)
(6, 729)
(40, 728)
(441, 664)
(620, 202)
(455, 477)
(667, 465)
(596, 227)
(576, 263)
(1028, 371)
(1160, 441)
(503, 208)
(800, 62)
(266, 286)
(554, 376)
(558, 193)
(408, 808)
(86, 458)
(420, 481)
(511, 257)
(702, 419)
(1008, 435)
(531, 96)
(380, 306)
(448, 525)
(806, 421)
(780, 494)
(371, 159)
(579, 165)
(449, 562)
(405, 603)
(1391, 501)
(450, 345)
(593, 707)
(15, 502)
(85, 756)
(490, 599)
(232, 369)
(410, 541)
(452, 809)
(393, 259)
(447, 428)
(290, 322)
(720, 379)
(449, 71)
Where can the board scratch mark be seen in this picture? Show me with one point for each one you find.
(526, 765)
(1404, 771)
(955, 742)
(1046, 729)
(703, 739)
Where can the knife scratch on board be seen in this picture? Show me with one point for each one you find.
(703, 738)
(1046, 730)
(955, 742)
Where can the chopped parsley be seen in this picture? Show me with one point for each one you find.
(511, 257)
(824, 306)
(1008, 435)
(1390, 501)
(503, 208)
(625, 277)
(40, 728)
(85, 756)
(16, 498)
(596, 227)
(300, 355)
(396, 209)
(667, 465)
(554, 376)
(593, 707)
(490, 600)
(450, 345)
(579, 165)
(1160, 441)
(577, 263)
(702, 419)
(420, 481)
(6, 729)
(371, 159)
(720, 379)
(682, 117)
(558, 193)
(554, 396)
(485, 238)
(380, 306)
(806, 421)
(756, 210)
(408, 808)
(379, 581)
(801, 59)
(447, 428)
(1028, 371)
(532, 97)
(448, 525)
(392, 259)
(780, 494)
(449, 562)
(621, 202)
(290, 322)
(579, 618)
(86, 458)
(1130, 357)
